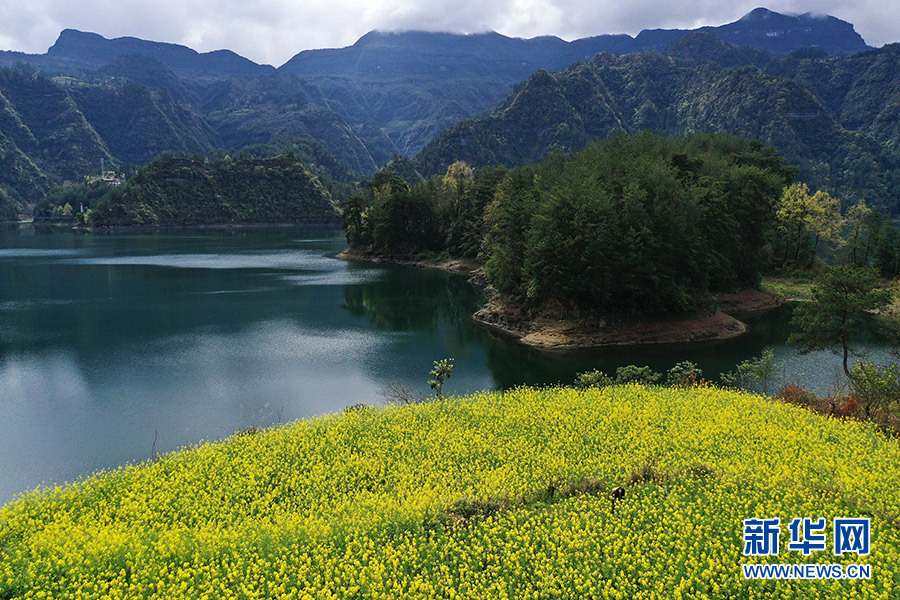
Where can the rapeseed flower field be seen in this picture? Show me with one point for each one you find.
(496, 495)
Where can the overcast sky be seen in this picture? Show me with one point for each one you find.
(271, 31)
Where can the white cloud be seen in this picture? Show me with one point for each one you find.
(272, 31)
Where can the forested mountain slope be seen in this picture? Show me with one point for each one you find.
(414, 84)
(843, 136)
(127, 100)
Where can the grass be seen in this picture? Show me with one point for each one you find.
(497, 495)
(788, 288)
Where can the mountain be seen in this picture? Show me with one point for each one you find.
(79, 50)
(258, 109)
(57, 129)
(133, 109)
(780, 35)
(771, 32)
(182, 191)
(862, 91)
(48, 124)
(413, 84)
(386, 56)
(832, 117)
(126, 100)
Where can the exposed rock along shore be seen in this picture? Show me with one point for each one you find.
(549, 333)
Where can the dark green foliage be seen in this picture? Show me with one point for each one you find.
(138, 124)
(844, 302)
(314, 155)
(252, 110)
(631, 227)
(172, 190)
(403, 167)
(76, 195)
(886, 253)
(58, 129)
(843, 142)
(702, 47)
(44, 122)
(635, 374)
(758, 371)
(593, 379)
(20, 179)
(390, 218)
(150, 73)
(634, 226)
(878, 386)
(440, 373)
(466, 233)
(684, 374)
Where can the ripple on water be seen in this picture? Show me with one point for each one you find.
(15, 253)
(291, 260)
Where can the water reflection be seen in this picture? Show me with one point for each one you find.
(407, 299)
(109, 341)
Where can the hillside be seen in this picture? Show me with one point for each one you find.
(499, 495)
(413, 84)
(788, 104)
(57, 129)
(127, 100)
(180, 191)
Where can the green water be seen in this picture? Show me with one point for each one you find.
(109, 342)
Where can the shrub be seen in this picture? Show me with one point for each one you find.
(851, 407)
(633, 374)
(760, 370)
(593, 379)
(441, 372)
(877, 386)
(794, 394)
(684, 374)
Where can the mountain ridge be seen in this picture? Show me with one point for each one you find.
(761, 28)
(846, 142)
(127, 100)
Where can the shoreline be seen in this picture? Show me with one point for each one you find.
(103, 229)
(553, 334)
(458, 266)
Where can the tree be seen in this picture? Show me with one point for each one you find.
(352, 210)
(761, 369)
(876, 385)
(824, 221)
(440, 372)
(684, 374)
(855, 219)
(844, 302)
(634, 374)
(593, 379)
(801, 216)
(886, 253)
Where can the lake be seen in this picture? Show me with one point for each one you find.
(113, 346)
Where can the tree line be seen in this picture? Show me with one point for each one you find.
(631, 226)
(812, 227)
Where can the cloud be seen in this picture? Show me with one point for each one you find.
(271, 31)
